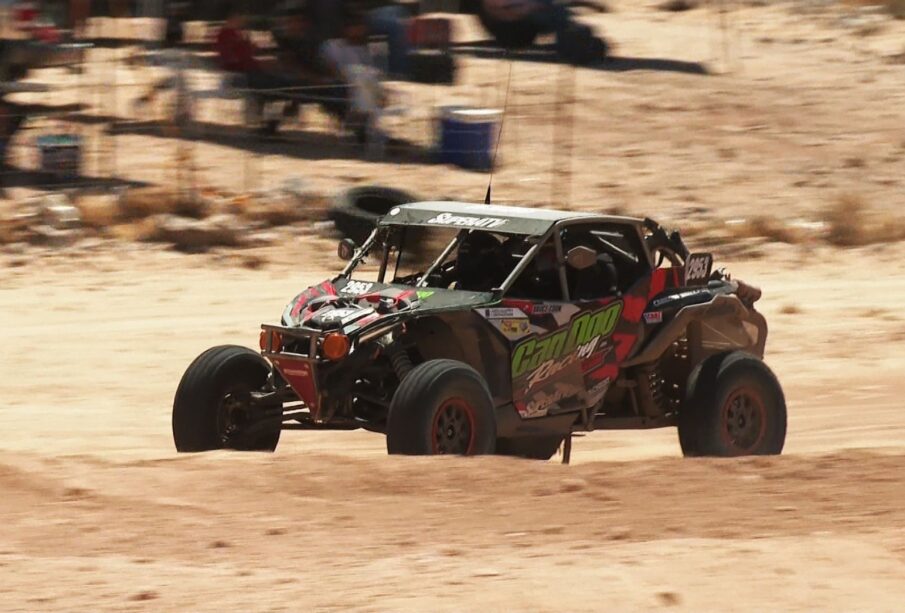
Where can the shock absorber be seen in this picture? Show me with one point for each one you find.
(399, 358)
(649, 390)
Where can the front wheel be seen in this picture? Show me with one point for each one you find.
(734, 407)
(441, 407)
(213, 408)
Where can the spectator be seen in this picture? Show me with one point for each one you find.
(300, 58)
(390, 21)
(237, 53)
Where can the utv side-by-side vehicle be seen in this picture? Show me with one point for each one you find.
(474, 329)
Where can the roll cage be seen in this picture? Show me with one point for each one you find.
(642, 242)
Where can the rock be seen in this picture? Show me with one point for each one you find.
(195, 235)
(572, 485)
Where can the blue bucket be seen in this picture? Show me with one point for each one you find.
(468, 136)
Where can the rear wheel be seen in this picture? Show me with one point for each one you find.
(734, 407)
(441, 407)
(213, 406)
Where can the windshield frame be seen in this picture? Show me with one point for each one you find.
(381, 231)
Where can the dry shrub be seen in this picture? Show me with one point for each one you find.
(98, 210)
(279, 209)
(896, 8)
(8, 234)
(869, 29)
(846, 221)
(131, 232)
(850, 223)
(677, 6)
(770, 228)
(144, 202)
(791, 309)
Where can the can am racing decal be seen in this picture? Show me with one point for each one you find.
(448, 219)
(542, 402)
(580, 338)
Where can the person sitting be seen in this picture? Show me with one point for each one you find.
(479, 263)
(299, 56)
(349, 58)
(237, 54)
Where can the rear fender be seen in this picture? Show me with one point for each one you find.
(722, 324)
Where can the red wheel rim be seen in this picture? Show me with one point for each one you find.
(743, 420)
(453, 429)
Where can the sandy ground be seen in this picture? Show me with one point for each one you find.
(98, 513)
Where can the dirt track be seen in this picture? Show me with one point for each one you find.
(97, 512)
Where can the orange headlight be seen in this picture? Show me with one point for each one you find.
(335, 346)
(275, 339)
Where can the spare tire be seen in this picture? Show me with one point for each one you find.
(355, 212)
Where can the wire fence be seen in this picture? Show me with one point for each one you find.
(124, 117)
(134, 116)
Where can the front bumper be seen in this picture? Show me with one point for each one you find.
(299, 368)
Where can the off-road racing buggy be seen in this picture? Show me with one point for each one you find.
(529, 326)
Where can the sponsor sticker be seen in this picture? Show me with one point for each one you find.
(514, 327)
(546, 309)
(502, 313)
(448, 219)
(424, 294)
(654, 317)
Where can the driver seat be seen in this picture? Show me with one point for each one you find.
(599, 281)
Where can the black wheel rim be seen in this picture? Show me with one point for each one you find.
(233, 414)
(453, 428)
(744, 420)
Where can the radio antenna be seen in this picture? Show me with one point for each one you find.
(496, 147)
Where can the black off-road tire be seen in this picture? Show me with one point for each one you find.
(355, 211)
(531, 448)
(441, 407)
(219, 375)
(734, 406)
